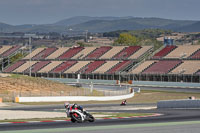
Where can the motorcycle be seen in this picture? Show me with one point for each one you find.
(123, 103)
(80, 116)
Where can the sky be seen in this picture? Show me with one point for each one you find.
(49, 11)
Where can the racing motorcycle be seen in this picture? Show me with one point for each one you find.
(80, 116)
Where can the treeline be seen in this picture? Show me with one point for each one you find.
(138, 37)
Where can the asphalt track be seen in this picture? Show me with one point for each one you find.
(172, 120)
(169, 115)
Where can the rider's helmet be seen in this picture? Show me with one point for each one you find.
(66, 104)
(75, 105)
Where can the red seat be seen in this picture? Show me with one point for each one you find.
(63, 67)
(162, 67)
(91, 67)
(125, 53)
(70, 53)
(166, 50)
(119, 67)
(14, 66)
(98, 52)
(44, 53)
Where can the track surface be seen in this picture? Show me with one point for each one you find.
(132, 125)
(170, 115)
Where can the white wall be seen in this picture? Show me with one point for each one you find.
(73, 98)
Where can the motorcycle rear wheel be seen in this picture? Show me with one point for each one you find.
(76, 117)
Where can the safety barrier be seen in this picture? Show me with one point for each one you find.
(73, 98)
(86, 81)
(166, 84)
(188, 103)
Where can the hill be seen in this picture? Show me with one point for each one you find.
(30, 86)
(83, 19)
(104, 24)
(190, 28)
(131, 24)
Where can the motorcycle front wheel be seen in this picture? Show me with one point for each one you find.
(90, 117)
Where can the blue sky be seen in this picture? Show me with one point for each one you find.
(50, 11)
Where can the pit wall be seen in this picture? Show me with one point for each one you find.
(73, 98)
(188, 103)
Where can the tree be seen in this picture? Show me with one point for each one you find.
(126, 39)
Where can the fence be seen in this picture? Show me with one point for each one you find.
(124, 77)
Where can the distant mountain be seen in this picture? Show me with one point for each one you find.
(131, 24)
(190, 28)
(83, 19)
(104, 24)
(5, 27)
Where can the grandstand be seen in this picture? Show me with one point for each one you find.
(64, 66)
(119, 67)
(183, 51)
(162, 67)
(57, 53)
(105, 67)
(91, 67)
(166, 50)
(7, 50)
(170, 63)
(127, 52)
(187, 67)
(98, 52)
(44, 53)
(70, 53)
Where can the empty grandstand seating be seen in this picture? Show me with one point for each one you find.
(77, 67)
(140, 52)
(4, 49)
(70, 53)
(166, 50)
(91, 67)
(183, 51)
(57, 53)
(105, 67)
(187, 67)
(82, 54)
(25, 66)
(64, 66)
(43, 54)
(198, 73)
(34, 53)
(112, 52)
(128, 51)
(195, 55)
(98, 52)
(162, 67)
(50, 66)
(14, 66)
(36, 67)
(141, 67)
(120, 66)
(11, 51)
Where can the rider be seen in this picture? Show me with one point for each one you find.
(124, 102)
(69, 107)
